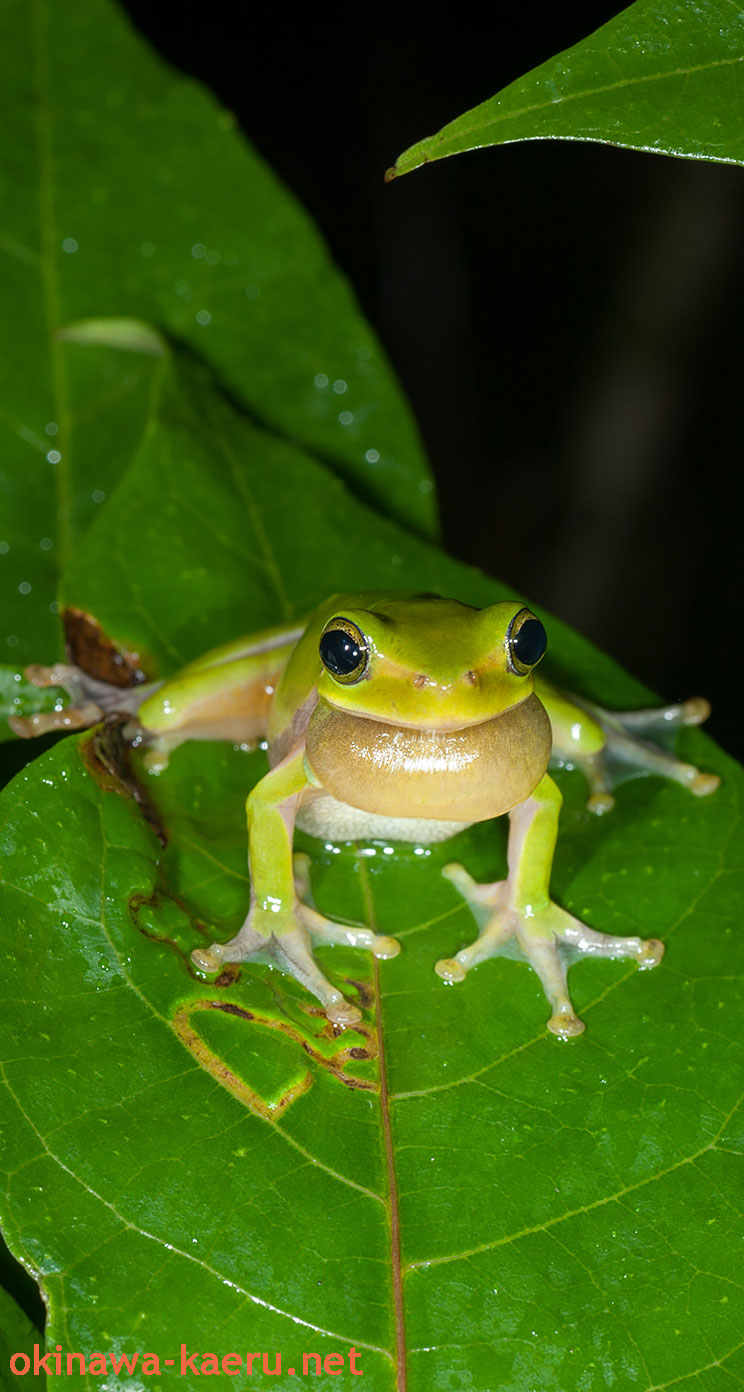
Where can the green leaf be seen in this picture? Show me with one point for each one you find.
(217, 524)
(217, 1139)
(446, 1188)
(663, 76)
(562, 1208)
(129, 193)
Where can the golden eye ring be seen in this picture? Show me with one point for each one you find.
(344, 651)
(526, 641)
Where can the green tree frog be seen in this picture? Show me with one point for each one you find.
(404, 717)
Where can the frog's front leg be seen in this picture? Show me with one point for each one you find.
(521, 908)
(278, 923)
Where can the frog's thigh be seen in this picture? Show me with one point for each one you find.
(520, 907)
(228, 701)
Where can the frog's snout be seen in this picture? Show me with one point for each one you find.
(469, 678)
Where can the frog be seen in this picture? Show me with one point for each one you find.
(403, 717)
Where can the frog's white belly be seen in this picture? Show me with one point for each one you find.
(324, 816)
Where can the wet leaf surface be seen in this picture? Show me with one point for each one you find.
(448, 1189)
(662, 76)
(561, 1206)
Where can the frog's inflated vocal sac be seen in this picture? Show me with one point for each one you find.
(406, 718)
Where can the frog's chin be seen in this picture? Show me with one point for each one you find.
(467, 774)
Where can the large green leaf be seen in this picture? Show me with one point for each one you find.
(203, 1164)
(664, 76)
(462, 1198)
(127, 191)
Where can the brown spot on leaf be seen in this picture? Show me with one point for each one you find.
(333, 1065)
(106, 755)
(231, 1009)
(364, 991)
(90, 649)
(229, 975)
(222, 1074)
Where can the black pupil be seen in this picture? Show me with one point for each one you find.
(530, 642)
(340, 652)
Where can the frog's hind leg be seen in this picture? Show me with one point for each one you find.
(604, 743)
(627, 741)
(90, 700)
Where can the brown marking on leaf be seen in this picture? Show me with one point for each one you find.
(97, 654)
(153, 901)
(359, 1054)
(310, 1009)
(223, 1075)
(229, 975)
(364, 991)
(230, 1008)
(106, 755)
(333, 1065)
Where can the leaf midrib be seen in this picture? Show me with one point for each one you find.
(449, 135)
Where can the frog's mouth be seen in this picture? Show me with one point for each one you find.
(468, 774)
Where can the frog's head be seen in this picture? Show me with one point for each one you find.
(424, 662)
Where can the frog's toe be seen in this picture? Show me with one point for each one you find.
(704, 783)
(208, 959)
(343, 1013)
(44, 722)
(245, 944)
(90, 700)
(489, 895)
(348, 935)
(566, 1024)
(694, 711)
(650, 953)
(290, 952)
(325, 930)
(450, 970)
(384, 948)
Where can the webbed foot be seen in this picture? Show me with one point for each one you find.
(90, 700)
(289, 948)
(539, 936)
(628, 741)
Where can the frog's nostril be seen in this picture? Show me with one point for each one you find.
(472, 678)
(420, 680)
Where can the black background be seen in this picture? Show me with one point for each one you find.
(565, 317)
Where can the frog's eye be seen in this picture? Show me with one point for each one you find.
(344, 651)
(526, 641)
